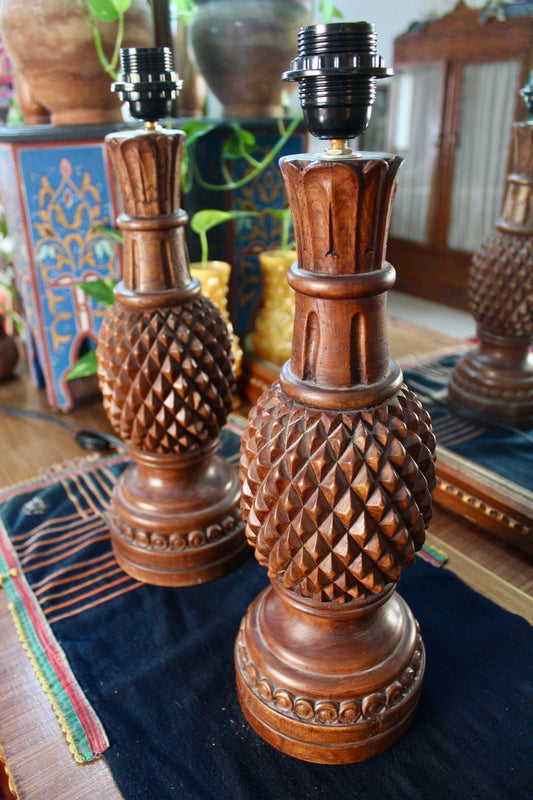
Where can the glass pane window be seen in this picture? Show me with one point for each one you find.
(487, 104)
(416, 132)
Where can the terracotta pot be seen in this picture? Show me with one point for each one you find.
(32, 110)
(214, 279)
(9, 354)
(241, 47)
(272, 338)
(53, 50)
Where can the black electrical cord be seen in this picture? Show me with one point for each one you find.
(87, 438)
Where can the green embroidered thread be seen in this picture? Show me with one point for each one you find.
(60, 714)
(76, 737)
(5, 575)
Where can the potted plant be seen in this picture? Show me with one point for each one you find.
(59, 50)
(241, 47)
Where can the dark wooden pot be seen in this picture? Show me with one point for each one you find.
(241, 47)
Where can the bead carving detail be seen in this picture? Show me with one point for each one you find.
(358, 710)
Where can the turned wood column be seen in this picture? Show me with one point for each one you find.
(496, 378)
(337, 470)
(165, 368)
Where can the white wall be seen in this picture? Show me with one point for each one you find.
(393, 17)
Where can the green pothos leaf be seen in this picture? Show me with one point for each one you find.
(108, 10)
(184, 9)
(100, 290)
(194, 129)
(207, 218)
(84, 367)
(110, 233)
(241, 141)
(329, 11)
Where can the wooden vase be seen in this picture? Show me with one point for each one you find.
(337, 470)
(166, 373)
(495, 379)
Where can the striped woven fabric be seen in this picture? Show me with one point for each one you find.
(67, 558)
(52, 534)
(503, 450)
(56, 563)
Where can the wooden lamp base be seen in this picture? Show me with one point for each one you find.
(324, 710)
(175, 521)
(496, 380)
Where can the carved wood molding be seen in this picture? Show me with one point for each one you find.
(375, 706)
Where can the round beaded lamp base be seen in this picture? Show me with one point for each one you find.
(329, 711)
(167, 532)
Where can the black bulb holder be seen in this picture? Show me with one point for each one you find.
(337, 67)
(147, 82)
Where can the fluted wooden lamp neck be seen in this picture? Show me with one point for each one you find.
(341, 212)
(147, 165)
(517, 214)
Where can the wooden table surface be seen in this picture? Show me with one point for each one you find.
(31, 740)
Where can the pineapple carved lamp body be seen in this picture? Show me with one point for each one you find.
(337, 470)
(496, 378)
(166, 373)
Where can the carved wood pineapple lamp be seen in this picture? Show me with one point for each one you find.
(496, 377)
(337, 463)
(165, 364)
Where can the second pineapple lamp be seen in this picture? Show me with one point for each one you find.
(165, 363)
(337, 462)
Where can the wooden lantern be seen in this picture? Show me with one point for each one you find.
(165, 363)
(337, 463)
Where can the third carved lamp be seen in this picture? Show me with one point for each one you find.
(495, 379)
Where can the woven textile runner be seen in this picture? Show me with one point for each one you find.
(44, 545)
(153, 667)
(56, 563)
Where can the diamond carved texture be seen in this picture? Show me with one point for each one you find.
(166, 375)
(501, 285)
(335, 503)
